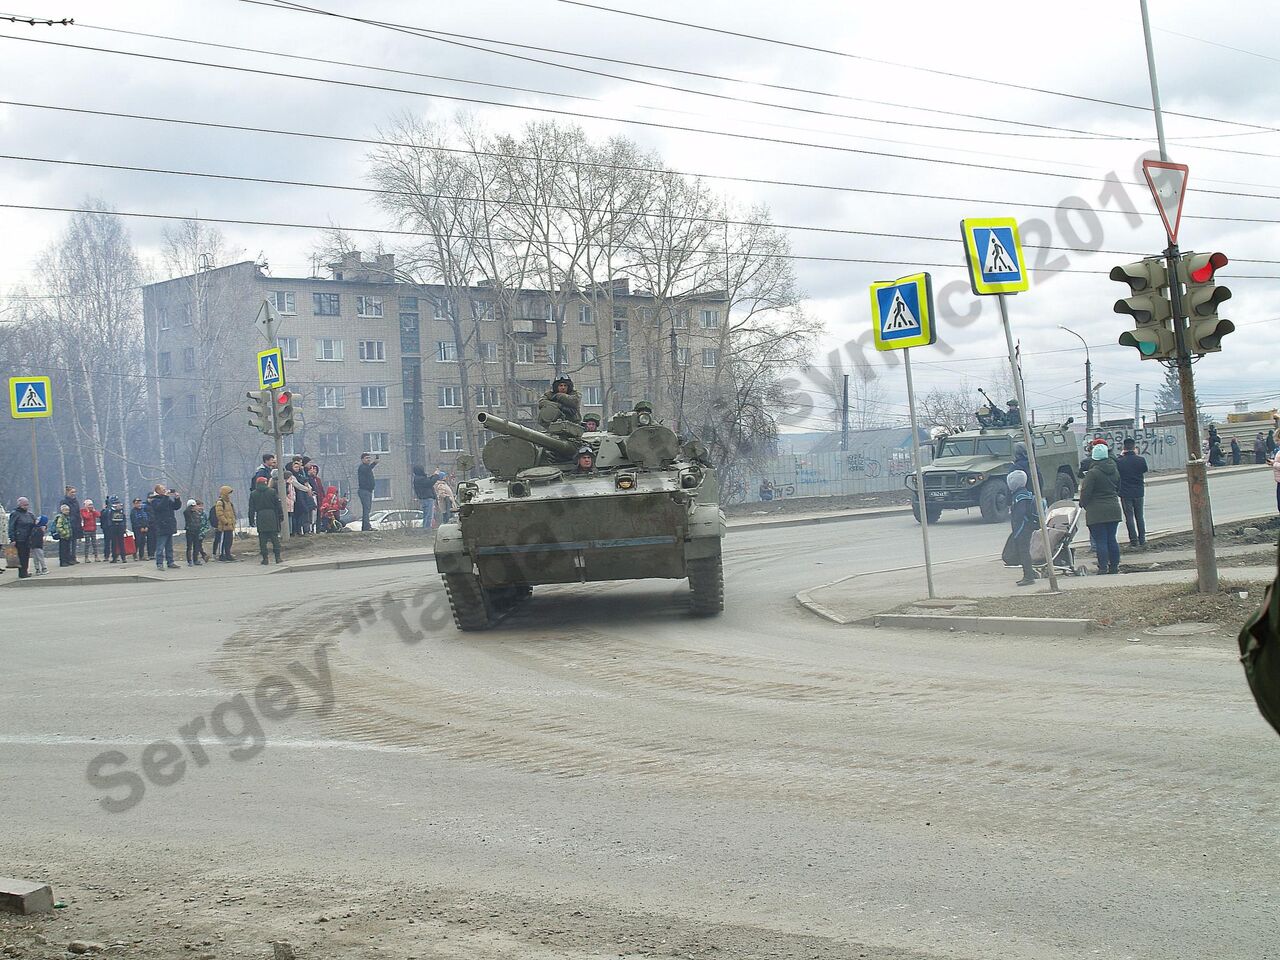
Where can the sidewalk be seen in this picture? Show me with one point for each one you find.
(133, 571)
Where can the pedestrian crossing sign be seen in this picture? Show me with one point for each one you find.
(30, 397)
(994, 251)
(271, 369)
(902, 312)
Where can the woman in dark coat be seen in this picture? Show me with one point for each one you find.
(1100, 497)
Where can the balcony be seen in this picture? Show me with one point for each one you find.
(529, 327)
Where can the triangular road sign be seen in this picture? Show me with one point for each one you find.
(1168, 182)
(997, 259)
(900, 316)
(31, 400)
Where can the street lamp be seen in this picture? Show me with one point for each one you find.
(1088, 378)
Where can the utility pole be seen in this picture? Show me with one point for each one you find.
(1088, 379)
(1197, 474)
(844, 417)
(1137, 406)
(268, 314)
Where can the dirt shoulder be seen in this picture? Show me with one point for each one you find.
(1123, 608)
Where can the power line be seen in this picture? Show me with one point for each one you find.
(439, 36)
(508, 202)
(756, 138)
(907, 66)
(760, 181)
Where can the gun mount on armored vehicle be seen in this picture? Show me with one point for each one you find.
(970, 466)
(568, 506)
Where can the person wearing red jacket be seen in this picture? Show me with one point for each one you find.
(89, 526)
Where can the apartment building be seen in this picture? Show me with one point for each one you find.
(374, 363)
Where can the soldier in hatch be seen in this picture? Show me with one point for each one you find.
(586, 460)
(567, 402)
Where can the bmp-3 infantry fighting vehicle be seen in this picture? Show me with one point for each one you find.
(568, 506)
(969, 467)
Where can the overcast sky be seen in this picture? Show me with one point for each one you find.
(1090, 49)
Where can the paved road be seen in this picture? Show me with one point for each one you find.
(602, 776)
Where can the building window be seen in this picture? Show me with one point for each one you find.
(288, 444)
(449, 396)
(591, 396)
(377, 442)
(680, 319)
(328, 348)
(162, 318)
(682, 356)
(283, 301)
(165, 363)
(589, 353)
(373, 398)
(710, 356)
(710, 319)
(585, 314)
(551, 354)
(484, 309)
(331, 444)
(410, 332)
(524, 353)
(166, 406)
(450, 440)
(324, 304)
(646, 314)
(191, 404)
(186, 314)
(188, 358)
(368, 306)
(382, 488)
(331, 398)
(409, 303)
(487, 351)
(170, 451)
(288, 347)
(374, 351)
(446, 351)
(440, 308)
(486, 396)
(619, 312)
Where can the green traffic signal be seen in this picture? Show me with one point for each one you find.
(1149, 306)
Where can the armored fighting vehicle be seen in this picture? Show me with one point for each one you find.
(969, 470)
(567, 506)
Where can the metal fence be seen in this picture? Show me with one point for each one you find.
(1165, 448)
(878, 468)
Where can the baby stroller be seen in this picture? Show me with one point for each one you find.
(1063, 521)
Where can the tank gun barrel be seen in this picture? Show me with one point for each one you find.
(562, 448)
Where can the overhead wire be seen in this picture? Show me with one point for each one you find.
(779, 141)
(948, 74)
(502, 202)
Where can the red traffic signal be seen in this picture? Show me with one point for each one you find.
(284, 397)
(1202, 266)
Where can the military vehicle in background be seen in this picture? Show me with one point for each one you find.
(970, 466)
(567, 506)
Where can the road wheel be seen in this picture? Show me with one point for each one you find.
(706, 586)
(1065, 488)
(932, 511)
(993, 501)
(468, 600)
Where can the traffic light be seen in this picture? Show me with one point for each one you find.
(284, 413)
(262, 410)
(1149, 306)
(1205, 329)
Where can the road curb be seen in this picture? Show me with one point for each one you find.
(352, 564)
(1020, 626)
(107, 579)
(873, 513)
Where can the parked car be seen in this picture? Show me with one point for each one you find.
(390, 520)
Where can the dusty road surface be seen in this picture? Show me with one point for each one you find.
(602, 776)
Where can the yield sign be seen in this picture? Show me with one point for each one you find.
(1168, 182)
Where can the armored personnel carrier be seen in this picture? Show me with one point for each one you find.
(969, 470)
(564, 506)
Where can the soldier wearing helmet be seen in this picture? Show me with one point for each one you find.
(586, 460)
(567, 402)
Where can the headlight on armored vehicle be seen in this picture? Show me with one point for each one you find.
(972, 478)
(690, 479)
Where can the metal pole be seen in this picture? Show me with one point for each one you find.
(35, 467)
(1137, 407)
(1031, 447)
(275, 433)
(915, 451)
(1155, 87)
(1197, 475)
(844, 417)
(1088, 391)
